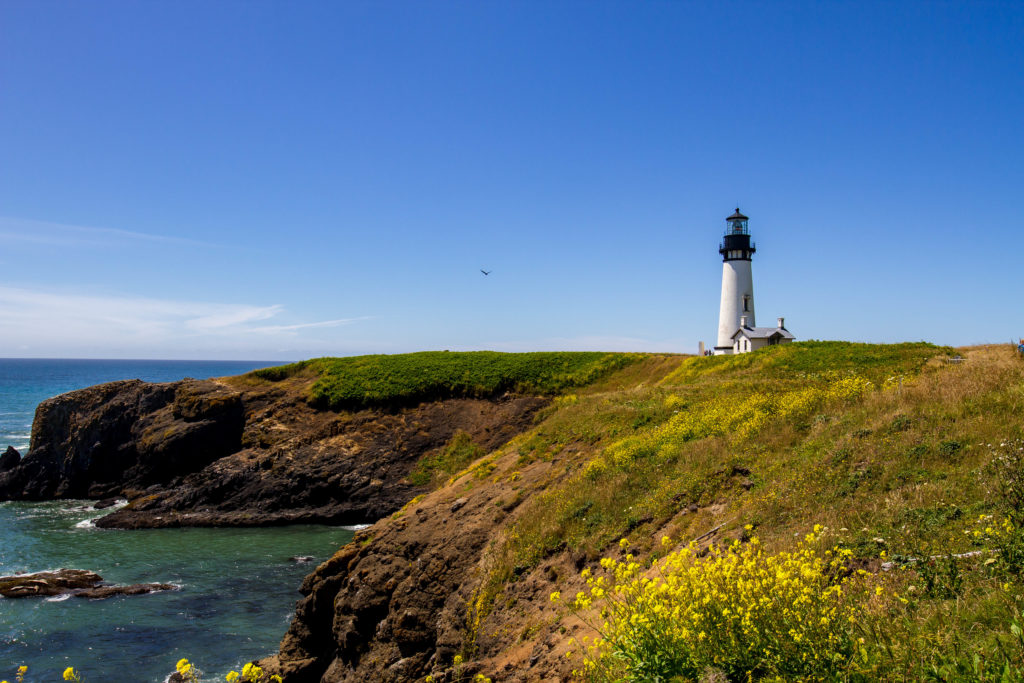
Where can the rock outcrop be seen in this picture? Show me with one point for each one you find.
(104, 440)
(9, 459)
(239, 452)
(79, 583)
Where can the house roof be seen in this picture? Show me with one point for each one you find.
(762, 332)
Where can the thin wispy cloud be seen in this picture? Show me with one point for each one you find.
(37, 321)
(30, 231)
(305, 326)
(232, 318)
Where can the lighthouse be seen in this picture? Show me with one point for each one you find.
(737, 327)
(737, 281)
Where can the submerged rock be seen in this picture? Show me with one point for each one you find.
(77, 582)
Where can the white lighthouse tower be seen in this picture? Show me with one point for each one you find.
(737, 309)
(737, 330)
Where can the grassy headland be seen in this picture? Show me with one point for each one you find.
(403, 379)
(812, 511)
(893, 449)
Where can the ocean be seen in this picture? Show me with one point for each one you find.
(238, 587)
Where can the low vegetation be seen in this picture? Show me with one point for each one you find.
(905, 459)
(404, 379)
(737, 610)
(435, 468)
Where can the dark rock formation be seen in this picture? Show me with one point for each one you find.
(101, 592)
(9, 459)
(78, 582)
(96, 442)
(223, 453)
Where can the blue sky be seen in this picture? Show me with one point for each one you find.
(285, 180)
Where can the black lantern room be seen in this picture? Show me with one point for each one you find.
(736, 245)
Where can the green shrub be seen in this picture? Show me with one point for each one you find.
(407, 379)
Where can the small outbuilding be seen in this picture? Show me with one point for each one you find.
(747, 338)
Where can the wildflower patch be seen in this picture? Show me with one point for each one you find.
(738, 610)
(739, 417)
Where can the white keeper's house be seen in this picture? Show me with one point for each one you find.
(737, 326)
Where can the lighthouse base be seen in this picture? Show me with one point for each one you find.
(723, 350)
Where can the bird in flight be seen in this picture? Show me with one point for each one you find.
(485, 272)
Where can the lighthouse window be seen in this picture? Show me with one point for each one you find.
(746, 304)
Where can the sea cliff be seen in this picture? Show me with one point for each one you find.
(223, 453)
(502, 490)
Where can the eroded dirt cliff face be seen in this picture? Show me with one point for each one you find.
(401, 600)
(230, 452)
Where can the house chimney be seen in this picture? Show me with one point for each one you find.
(743, 322)
(782, 323)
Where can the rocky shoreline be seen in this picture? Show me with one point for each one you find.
(237, 453)
(391, 605)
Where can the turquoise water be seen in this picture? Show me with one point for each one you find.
(238, 591)
(237, 586)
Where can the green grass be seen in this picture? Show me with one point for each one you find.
(777, 413)
(774, 439)
(406, 379)
(799, 360)
(436, 467)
